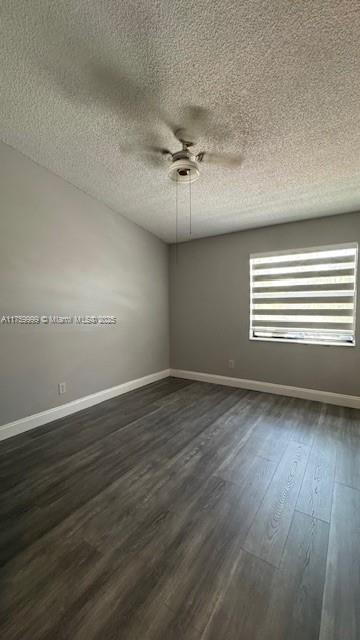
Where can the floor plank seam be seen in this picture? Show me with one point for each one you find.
(349, 486)
(311, 516)
(326, 564)
(260, 559)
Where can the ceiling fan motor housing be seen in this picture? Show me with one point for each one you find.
(184, 170)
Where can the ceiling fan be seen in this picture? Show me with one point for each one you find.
(118, 90)
(95, 80)
(185, 162)
(184, 167)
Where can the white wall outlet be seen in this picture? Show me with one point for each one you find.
(62, 388)
(231, 364)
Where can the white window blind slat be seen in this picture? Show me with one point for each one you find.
(329, 293)
(304, 305)
(286, 290)
(297, 282)
(304, 254)
(341, 266)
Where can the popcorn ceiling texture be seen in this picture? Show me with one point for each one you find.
(283, 79)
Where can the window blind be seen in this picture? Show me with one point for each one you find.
(307, 295)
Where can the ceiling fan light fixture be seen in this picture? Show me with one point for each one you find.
(184, 171)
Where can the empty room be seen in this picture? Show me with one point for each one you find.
(179, 336)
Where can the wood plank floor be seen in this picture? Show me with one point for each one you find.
(183, 510)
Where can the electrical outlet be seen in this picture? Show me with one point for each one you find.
(62, 388)
(231, 364)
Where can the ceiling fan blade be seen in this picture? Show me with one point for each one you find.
(194, 122)
(91, 75)
(196, 118)
(111, 86)
(155, 149)
(149, 154)
(199, 122)
(128, 94)
(230, 160)
(88, 72)
(143, 147)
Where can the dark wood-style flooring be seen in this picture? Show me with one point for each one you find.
(183, 511)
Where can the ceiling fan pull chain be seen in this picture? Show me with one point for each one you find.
(176, 224)
(190, 204)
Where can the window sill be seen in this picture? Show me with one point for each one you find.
(315, 342)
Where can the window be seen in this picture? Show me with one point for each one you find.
(306, 295)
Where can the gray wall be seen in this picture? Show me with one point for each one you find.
(209, 312)
(62, 252)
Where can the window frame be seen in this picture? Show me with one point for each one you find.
(314, 249)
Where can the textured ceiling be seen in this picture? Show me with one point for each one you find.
(84, 82)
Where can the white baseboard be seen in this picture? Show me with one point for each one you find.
(38, 419)
(268, 387)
